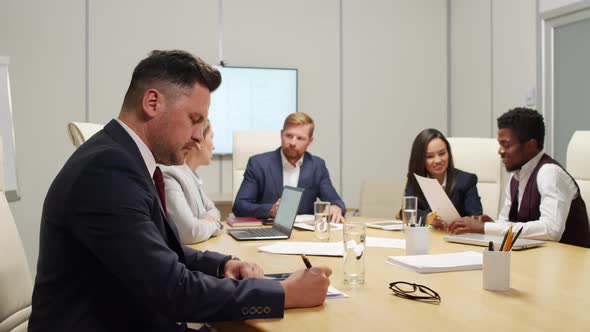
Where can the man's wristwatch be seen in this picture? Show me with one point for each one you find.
(221, 267)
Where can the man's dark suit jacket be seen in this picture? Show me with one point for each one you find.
(464, 197)
(263, 185)
(110, 261)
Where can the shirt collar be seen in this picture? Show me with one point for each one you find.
(528, 168)
(146, 154)
(287, 164)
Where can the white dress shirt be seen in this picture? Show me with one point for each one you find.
(290, 172)
(146, 153)
(557, 191)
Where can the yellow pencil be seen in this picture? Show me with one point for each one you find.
(432, 217)
(508, 239)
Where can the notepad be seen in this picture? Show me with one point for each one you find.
(460, 261)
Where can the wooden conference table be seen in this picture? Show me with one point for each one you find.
(550, 290)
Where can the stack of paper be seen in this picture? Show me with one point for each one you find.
(460, 261)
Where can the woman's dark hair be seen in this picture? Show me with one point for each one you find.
(418, 161)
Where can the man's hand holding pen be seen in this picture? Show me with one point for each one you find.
(307, 287)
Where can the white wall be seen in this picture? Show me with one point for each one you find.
(45, 42)
(493, 62)
(372, 73)
(394, 85)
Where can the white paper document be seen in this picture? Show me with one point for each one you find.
(388, 225)
(460, 261)
(326, 248)
(334, 293)
(308, 218)
(437, 198)
(385, 243)
(309, 227)
(307, 248)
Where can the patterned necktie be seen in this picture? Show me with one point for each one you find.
(159, 181)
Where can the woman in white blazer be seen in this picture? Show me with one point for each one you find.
(194, 214)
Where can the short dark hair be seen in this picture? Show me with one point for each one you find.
(526, 123)
(417, 162)
(166, 70)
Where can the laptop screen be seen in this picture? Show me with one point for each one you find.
(288, 209)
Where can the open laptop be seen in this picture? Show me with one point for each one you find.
(483, 240)
(284, 220)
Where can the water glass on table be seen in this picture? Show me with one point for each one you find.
(409, 210)
(354, 237)
(321, 224)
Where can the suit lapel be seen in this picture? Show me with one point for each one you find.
(305, 173)
(120, 135)
(276, 171)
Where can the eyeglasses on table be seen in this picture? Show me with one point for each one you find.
(414, 292)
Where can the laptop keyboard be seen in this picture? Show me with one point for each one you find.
(264, 232)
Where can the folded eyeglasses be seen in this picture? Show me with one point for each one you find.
(414, 292)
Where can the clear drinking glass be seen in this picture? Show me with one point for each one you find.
(353, 237)
(409, 210)
(321, 224)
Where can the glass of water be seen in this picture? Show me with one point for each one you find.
(354, 236)
(321, 224)
(409, 210)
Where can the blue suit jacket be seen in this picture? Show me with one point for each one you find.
(263, 185)
(464, 197)
(110, 261)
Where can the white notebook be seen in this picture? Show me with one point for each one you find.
(460, 261)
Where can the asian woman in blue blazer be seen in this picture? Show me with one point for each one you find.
(431, 157)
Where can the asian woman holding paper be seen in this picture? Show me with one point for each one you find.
(431, 157)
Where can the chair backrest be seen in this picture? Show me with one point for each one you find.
(16, 285)
(381, 198)
(80, 132)
(480, 156)
(578, 154)
(245, 145)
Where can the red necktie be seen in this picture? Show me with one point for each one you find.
(159, 181)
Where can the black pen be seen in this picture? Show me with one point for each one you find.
(491, 246)
(306, 261)
(515, 238)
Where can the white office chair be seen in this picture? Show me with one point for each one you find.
(80, 132)
(16, 285)
(578, 155)
(381, 198)
(245, 145)
(480, 156)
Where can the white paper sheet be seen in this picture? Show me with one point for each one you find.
(334, 293)
(307, 218)
(307, 248)
(437, 198)
(326, 248)
(385, 242)
(309, 227)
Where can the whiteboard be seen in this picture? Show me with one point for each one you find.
(251, 99)
(7, 133)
